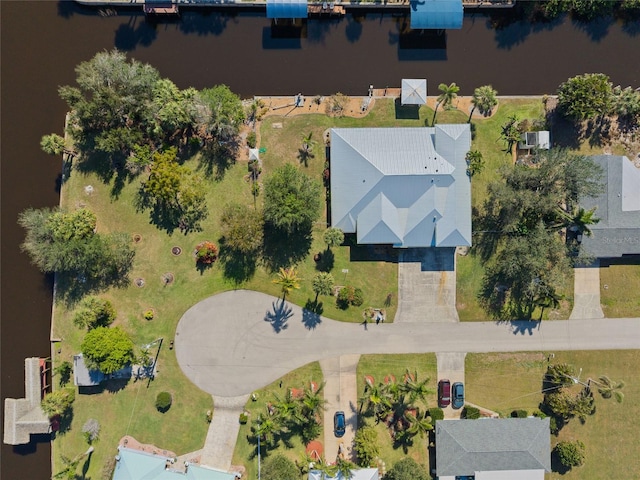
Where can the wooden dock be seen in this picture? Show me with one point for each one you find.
(157, 8)
(326, 9)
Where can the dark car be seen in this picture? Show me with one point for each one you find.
(457, 392)
(339, 424)
(444, 393)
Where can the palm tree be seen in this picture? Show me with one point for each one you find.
(333, 237)
(420, 423)
(71, 465)
(417, 390)
(288, 279)
(475, 162)
(484, 99)
(345, 468)
(376, 401)
(580, 219)
(286, 408)
(307, 142)
(448, 95)
(608, 388)
(313, 402)
(267, 427)
(323, 284)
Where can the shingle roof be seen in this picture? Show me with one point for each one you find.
(402, 186)
(618, 208)
(464, 447)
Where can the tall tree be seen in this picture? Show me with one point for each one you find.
(333, 237)
(323, 284)
(475, 162)
(58, 402)
(484, 99)
(288, 280)
(375, 401)
(107, 349)
(587, 96)
(174, 194)
(407, 469)
(292, 200)
(420, 423)
(94, 312)
(220, 113)
(447, 96)
(608, 388)
(175, 110)
(279, 467)
(52, 144)
(242, 228)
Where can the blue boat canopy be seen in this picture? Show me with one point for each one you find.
(286, 8)
(436, 14)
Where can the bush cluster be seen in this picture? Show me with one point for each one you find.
(471, 413)
(519, 414)
(206, 252)
(436, 413)
(349, 296)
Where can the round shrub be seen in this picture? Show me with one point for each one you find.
(243, 418)
(344, 296)
(570, 454)
(149, 314)
(436, 413)
(519, 414)
(163, 401)
(357, 299)
(471, 413)
(206, 252)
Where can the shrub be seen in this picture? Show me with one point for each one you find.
(163, 401)
(471, 413)
(519, 414)
(539, 414)
(570, 454)
(280, 467)
(366, 445)
(554, 425)
(349, 296)
(149, 314)
(58, 402)
(251, 139)
(243, 418)
(65, 369)
(206, 252)
(436, 413)
(209, 416)
(94, 312)
(357, 299)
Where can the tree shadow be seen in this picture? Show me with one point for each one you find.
(215, 159)
(237, 266)
(202, 267)
(596, 29)
(598, 131)
(128, 36)
(311, 314)
(279, 316)
(71, 287)
(522, 327)
(326, 261)
(304, 155)
(556, 464)
(283, 249)
(205, 22)
(115, 385)
(565, 132)
(353, 31)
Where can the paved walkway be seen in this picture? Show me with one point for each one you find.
(235, 342)
(341, 393)
(586, 293)
(451, 366)
(223, 431)
(426, 285)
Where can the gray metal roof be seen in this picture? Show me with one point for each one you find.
(402, 186)
(464, 447)
(413, 91)
(82, 376)
(618, 208)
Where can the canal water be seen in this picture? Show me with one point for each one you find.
(42, 41)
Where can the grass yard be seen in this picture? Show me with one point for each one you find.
(508, 381)
(380, 366)
(619, 284)
(245, 452)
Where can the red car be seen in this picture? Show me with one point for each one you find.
(444, 393)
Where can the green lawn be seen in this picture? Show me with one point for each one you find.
(508, 381)
(245, 452)
(381, 366)
(619, 283)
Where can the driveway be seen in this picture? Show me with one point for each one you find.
(586, 293)
(235, 342)
(426, 285)
(451, 366)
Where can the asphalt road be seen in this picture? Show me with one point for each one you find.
(235, 342)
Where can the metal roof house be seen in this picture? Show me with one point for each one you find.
(356, 474)
(618, 208)
(407, 187)
(137, 465)
(493, 449)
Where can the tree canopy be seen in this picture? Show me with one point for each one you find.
(94, 312)
(366, 445)
(58, 402)
(586, 96)
(279, 467)
(107, 349)
(242, 228)
(221, 112)
(292, 200)
(570, 454)
(407, 469)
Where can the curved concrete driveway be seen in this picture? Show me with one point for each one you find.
(232, 343)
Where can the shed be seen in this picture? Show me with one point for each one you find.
(414, 91)
(541, 139)
(436, 14)
(287, 9)
(83, 376)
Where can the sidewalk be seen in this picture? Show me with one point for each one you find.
(223, 432)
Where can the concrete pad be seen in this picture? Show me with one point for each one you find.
(341, 393)
(427, 285)
(451, 366)
(586, 293)
(223, 431)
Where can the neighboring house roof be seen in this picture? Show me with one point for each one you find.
(287, 9)
(356, 474)
(464, 447)
(618, 208)
(24, 417)
(436, 14)
(136, 465)
(403, 186)
(413, 91)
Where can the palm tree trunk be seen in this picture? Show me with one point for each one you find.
(433, 121)
(471, 114)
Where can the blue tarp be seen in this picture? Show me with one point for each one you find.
(436, 14)
(286, 8)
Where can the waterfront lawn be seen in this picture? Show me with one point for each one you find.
(380, 366)
(245, 452)
(617, 279)
(508, 381)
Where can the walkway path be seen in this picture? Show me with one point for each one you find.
(426, 285)
(586, 293)
(236, 342)
(341, 393)
(223, 431)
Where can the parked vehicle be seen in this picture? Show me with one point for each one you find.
(457, 392)
(339, 424)
(444, 393)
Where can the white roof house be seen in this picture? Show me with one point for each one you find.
(402, 186)
(356, 474)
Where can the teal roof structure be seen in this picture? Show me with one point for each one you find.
(407, 187)
(287, 9)
(136, 465)
(436, 14)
